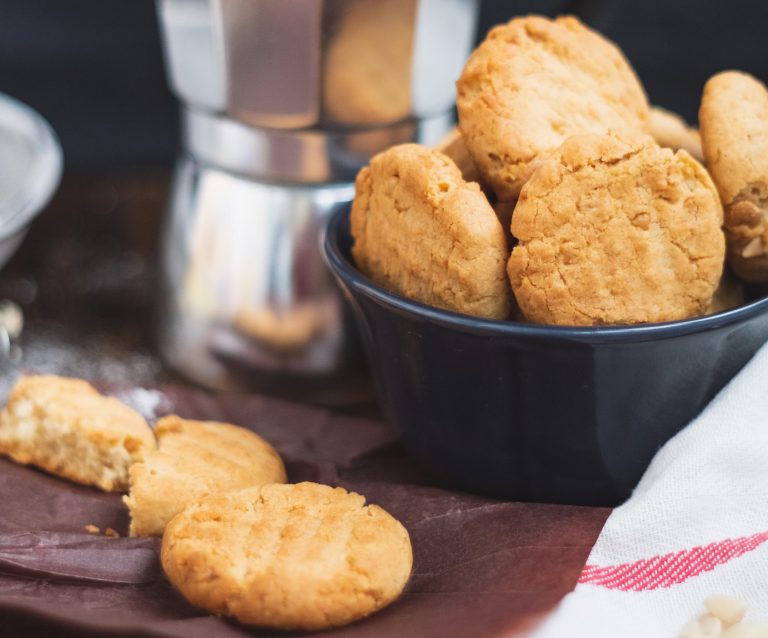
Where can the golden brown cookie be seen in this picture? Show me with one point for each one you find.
(195, 459)
(615, 231)
(672, 131)
(303, 556)
(734, 135)
(533, 83)
(454, 147)
(67, 428)
(423, 232)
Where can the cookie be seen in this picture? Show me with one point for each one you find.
(303, 556)
(534, 82)
(195, 459)
(734, 136)
(616, 230)
(423, 232)
(672, 131)
(65, 427)
(454, 147)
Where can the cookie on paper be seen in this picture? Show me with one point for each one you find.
(64, 426)
(195, 459)
(303, 556)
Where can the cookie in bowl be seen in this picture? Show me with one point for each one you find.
(624, 337)
(615, 230)
(734, 134)
(422, 231)
(454, 147)
(533, 83)
(670, 130)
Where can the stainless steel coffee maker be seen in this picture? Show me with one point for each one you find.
(283, 102)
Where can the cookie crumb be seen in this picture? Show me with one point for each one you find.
(111, 533)
(92, 529)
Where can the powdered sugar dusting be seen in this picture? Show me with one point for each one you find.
(147, 402)
(95, 359)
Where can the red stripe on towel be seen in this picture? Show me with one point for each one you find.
(670, 569)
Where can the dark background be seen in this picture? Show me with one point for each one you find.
(94, 67)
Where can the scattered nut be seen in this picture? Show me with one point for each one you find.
(11, 318)
(691, 630)
(747, 630)
(723, 620)
(642, 220)
(753, 249)
(704, 627)
(728, 609)
(111, 533)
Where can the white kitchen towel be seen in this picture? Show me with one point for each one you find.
(696, 525)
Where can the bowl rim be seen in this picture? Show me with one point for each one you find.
(346, 271)
(44, 172)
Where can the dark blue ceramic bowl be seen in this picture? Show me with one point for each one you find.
(532, 412)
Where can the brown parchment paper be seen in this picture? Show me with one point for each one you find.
(482, 567)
